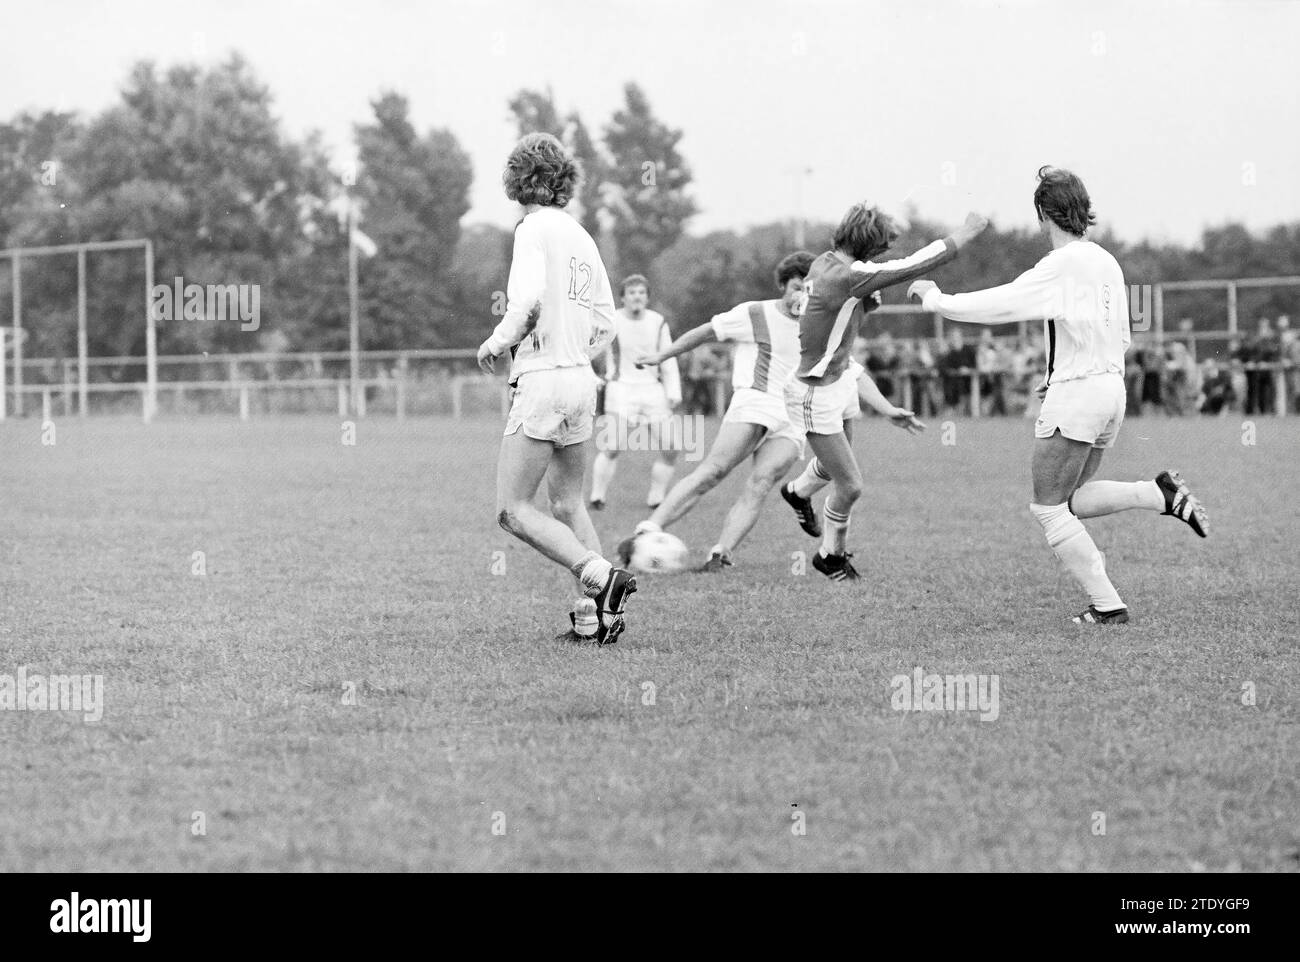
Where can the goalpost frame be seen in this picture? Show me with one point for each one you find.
(16, 255)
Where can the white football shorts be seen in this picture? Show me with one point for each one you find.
(557, 405)
(637, 403)
(1087, 409)
(823, 410)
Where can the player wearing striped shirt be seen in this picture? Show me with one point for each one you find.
(559, 313)
(1078, 292)
(637, 398)
(842, 285)
(766, 335)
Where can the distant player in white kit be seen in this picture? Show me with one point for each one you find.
(559, 313)
(639, 398)
(1078, 290)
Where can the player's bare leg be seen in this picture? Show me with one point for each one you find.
(522, 465)
(836, 455)
(661, 475)
(735, 441)
(771, 464)
(564, 490)
(606, 462)
(799, 492)
(1167, 494)
(1058, 464)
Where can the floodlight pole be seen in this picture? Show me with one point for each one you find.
(354, 323)
(150, 338)
(83, 387)
(18, 335)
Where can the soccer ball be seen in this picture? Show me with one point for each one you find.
(659, 551)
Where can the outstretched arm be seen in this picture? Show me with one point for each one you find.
(684, 344)
(869, 394)
(1032, 296)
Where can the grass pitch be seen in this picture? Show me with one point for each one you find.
(362, 679)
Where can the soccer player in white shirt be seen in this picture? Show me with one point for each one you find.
(637, 398)
(559, 312)
(766, 335)
(1078, 290)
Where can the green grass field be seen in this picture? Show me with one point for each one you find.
(369, 568)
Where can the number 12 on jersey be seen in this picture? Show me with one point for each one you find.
(580, 294)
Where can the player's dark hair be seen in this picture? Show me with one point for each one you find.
(1061, 197)
(540, 171)
(865, 232)
(631, 281)
(793, 265)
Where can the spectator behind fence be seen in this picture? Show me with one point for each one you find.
(920, 361)
(1153, 375)
(959, 356)
(1261, 349)
(992, 362)
(1134, 376)
(1289, 354)
(882, 363)
(1217, 395)
(1180, 378)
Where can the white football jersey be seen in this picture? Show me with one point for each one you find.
(637, 336)
(559, 306)
(1077, 291)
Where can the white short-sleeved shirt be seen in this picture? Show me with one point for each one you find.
(767, 345)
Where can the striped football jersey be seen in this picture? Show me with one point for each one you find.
(838, 294)
(767, 345)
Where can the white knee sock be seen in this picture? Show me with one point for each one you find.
(812, 480)
(835, 535)
(1097, 498)
(602, 473)
(1078, 553)
(660, 476)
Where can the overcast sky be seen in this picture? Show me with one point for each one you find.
(1177, 115)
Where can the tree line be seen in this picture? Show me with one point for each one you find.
(196, 160)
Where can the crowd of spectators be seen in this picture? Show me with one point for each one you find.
(1179, 375)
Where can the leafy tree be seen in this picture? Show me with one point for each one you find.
(649, 178)
(414, 191)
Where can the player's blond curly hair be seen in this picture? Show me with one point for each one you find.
(540, 171)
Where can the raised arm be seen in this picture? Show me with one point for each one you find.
(872, 276)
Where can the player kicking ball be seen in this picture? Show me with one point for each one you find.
(1078, 290)
(798, 494)
(766, 335)
(842, 285)
(559, 312)
(638, 397)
